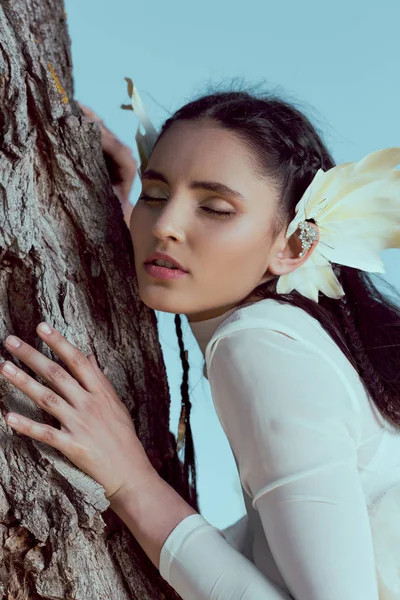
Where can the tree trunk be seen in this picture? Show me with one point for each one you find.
(66, 257)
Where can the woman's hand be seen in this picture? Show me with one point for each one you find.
(97, 433)
(121, 165)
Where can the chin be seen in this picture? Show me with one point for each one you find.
(160, 300)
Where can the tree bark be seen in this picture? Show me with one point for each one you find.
(66, 257)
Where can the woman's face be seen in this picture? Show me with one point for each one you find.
(197, 167)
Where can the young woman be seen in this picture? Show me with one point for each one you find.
(302, 355)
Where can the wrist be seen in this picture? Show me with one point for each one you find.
(151, 509)
(139, 483)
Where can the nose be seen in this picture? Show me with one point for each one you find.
(169, 223)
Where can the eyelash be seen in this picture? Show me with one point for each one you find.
(219, 213)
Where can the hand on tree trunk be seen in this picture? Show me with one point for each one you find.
(121, 164)
(97, 433)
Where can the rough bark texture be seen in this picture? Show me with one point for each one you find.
(66, 257)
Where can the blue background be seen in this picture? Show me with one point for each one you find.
(339, 62)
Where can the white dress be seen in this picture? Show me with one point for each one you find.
(319, 468)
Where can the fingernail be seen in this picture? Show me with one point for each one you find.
(13, 341)
(9, 368)
(45, 328)
(12, 419)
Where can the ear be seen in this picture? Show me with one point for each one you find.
(284, 254)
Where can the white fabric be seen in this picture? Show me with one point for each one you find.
(319, 467)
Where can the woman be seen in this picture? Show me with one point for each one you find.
(305, 383)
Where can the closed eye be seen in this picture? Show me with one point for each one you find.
(219, 213)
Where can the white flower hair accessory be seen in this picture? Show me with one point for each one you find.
(145, 141)
(356, 208)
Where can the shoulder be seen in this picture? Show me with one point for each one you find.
(269, 315)
(275, 345)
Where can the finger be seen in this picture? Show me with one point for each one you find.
(50, 371)
(68, 387)
(40, 432)
(76, 361)
(92, 117)
(89, 113)
(103, 378)
(113, 146)
(43, 397)
(93, 361)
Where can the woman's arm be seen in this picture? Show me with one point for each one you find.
(192, 555)
(151, 511)
(97, 434)
(293, 423)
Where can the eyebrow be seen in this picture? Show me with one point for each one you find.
(212, 186)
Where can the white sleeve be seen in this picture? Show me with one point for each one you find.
(289, 416)
(198, 562)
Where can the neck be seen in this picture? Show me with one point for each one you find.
(209, 314)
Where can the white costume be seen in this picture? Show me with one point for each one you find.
(319, 467)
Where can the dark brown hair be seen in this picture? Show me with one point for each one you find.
(365, 323)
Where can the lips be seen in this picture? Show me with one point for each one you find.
(167, 257)
(163, 272)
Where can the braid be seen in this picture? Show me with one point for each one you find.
(189, 464)
(374, 383)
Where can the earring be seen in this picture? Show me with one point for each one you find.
(307, 236)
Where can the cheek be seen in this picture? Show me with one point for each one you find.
(244, 243)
